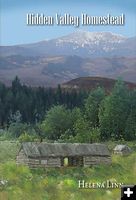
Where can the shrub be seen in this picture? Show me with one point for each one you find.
(25, 137)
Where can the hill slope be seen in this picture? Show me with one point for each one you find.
(50, 71)
(89, 83)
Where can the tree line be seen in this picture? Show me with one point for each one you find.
(33, 103)
(74, 116)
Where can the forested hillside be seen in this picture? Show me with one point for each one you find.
(33, 103)
(68, 115)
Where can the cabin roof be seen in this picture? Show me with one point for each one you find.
(32, 149)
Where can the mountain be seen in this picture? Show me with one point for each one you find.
(79, 54)
(89, 83)
(50, 71)
(80, 43)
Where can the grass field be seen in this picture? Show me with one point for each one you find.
(21, 183)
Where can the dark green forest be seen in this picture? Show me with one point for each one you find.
(33, 103)
(68, 116)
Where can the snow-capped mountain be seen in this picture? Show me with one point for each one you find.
(92, 42)
(80, 43)
(84, 38)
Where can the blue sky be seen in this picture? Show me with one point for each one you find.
(15, 31)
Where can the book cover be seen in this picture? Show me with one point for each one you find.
(67, 100)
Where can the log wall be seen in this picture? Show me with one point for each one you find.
(95, 160)
(37, 162)
(57, 161)
(21, 158)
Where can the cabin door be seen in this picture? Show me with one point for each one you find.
(72, 161)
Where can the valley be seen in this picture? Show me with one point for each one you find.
(51, 71)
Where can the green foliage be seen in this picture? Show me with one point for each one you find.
(8, 150)
(96, 135)
(85, 134)
(33, 103)
(16, 129)
(130, 126)
(5, 135)
(25, 137)
(92, 106)
(58, 120)
(15, 118)
(114, 112)
(68, 116)
(82, 131)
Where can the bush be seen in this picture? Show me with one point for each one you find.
(4, 135)
(16, 129)
(25, 137)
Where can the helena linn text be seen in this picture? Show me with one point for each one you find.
(70, 20)
(82, 184)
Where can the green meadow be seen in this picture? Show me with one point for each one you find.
(21, 183)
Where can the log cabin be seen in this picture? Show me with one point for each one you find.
(44, 155)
